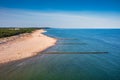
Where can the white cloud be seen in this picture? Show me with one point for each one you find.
(23, 18)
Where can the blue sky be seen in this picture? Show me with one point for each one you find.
(60, 13)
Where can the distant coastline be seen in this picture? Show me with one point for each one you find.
(24, 45)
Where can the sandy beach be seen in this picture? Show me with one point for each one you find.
(26, 46)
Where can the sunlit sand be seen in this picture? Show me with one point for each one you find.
(25, 47)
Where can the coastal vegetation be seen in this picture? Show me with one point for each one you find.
(6, 32)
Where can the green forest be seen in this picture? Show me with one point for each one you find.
(6, 32)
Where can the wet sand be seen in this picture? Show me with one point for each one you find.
(25, 46)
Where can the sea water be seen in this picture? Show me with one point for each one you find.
(79, 54)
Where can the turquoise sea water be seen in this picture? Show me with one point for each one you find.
(79, 54)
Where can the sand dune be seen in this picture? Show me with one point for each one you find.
(25, 47)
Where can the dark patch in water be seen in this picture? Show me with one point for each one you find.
(70, 43)
(76, 52)
(68, 38)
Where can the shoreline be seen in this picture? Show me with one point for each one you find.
(25, 46)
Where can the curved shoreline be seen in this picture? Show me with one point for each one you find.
(25, 47)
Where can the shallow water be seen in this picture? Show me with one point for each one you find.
(80, 54)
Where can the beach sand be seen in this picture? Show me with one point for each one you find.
(26, 46)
